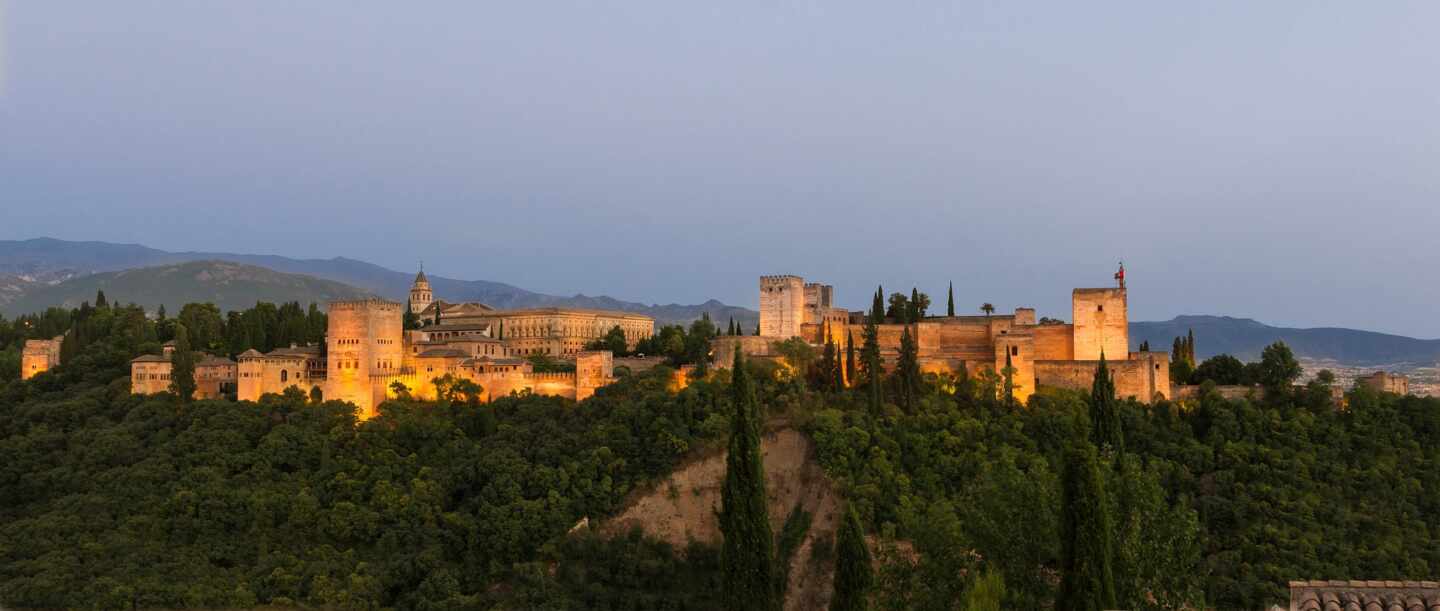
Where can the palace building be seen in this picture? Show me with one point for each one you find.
(1040, 354)
(367, 351)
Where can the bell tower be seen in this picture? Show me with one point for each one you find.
(420, 295)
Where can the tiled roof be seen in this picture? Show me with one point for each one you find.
(149, 358)
(251, 354)
(1345, 595)
(444, 352)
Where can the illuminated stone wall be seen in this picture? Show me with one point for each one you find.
(39, 355)
(1101, 323)
(782, 306)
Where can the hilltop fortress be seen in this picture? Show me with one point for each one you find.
(1055, 354)
(367, 350)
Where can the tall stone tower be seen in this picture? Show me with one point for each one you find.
(420, 295)
(1102, 324)
(782, 306)
(365, 351)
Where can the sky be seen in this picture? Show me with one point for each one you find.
(1276, 160)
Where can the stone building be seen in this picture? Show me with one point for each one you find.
(214, 376)
(39, 355)
(1323, 595)
(1063, 355)
(1387, 382)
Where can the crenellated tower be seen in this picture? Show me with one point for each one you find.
(365, 349)
(782, 306)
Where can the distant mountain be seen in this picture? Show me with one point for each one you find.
(231, 286)
(61, 258)
(1246, 338)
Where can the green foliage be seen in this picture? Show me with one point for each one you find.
(950, 300)
(907, 371)
(1105, 429)
(544, 363)
(986, 593)
(1087, 579)
(1221, 369)
(614, 341)
(747, 557)
(1278, 367)
(792, 534)
(182, 366)
(854, 577)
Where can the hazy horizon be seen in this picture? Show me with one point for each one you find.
(1274, 161)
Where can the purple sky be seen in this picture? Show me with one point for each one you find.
(1278, 160)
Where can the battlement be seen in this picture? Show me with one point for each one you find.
(554, 376)
(373, 303)
(781, 279)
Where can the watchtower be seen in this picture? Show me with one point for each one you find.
(782, 306)
(1102, 324)
(364, 346)
(420, 295)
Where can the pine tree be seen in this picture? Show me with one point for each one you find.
(182, 366)
(907, 369)
(747, 557)
(854, 575)
(1087, 581)
(950, 300)
(849, 357)
(1105, 429)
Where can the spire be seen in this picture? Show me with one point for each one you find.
(420, 277)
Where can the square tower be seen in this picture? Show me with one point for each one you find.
(1102, 324)
(782, 306)
(364, 351)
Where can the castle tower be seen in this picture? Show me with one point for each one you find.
(1102, 324)
(420, 295)
(782, 306)
(364, 351)
(39, 355)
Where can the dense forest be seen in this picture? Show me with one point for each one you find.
(121, 501)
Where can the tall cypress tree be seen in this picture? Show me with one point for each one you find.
(100, 301)
(914, 306)
(854, 576)
(1087, 580)
(849, 357)
(907, 370)
(950, 300)
(1009, 372)
(870, 356)
(747, 557)
(182, 366)
(1105, 429)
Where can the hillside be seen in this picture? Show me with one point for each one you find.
(231, 286)
(51, 256)
(1245, 338)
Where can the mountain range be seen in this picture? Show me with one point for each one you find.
(48, 268)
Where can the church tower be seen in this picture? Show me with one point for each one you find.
(420, 295)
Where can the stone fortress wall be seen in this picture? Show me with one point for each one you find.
(39, 355)
(1051, 354)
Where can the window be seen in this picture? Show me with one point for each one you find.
(1014, 351)
(284, 375)
(1100, 308)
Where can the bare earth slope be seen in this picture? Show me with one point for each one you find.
(683, 507)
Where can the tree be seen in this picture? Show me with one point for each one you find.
(849, 357)
(987, 308)
(182, 365)
(1221, 369)
(1145, 346)
(950, 301)
(870, 365)
(899, 310)
(204, 324)
(400, 390)
(1008, 374)
(798, 354)
(1105, 412)
(1087, 581)
(613, 340)
(920, 302)
(100, 301)
(1278, 367)
(986, 592)
(877, 306)
(907, 371)
(747, 556)
(412, 320)
(317, 396)
(854, 575)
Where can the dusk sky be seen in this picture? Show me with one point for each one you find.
(1275, 160)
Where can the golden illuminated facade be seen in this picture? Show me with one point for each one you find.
(39, 356)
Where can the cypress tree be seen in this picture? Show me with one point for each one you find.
(854, 576)
(1190, 346)
(907, 369)
(100, 301)
(849, 357)
(182, 366)
(1087, 581)
(747, 557)
(913, 309)
(1105, 429)
(877, 307)
(950, 300)
(870, 362)
(412, 320)
(1009, 372)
